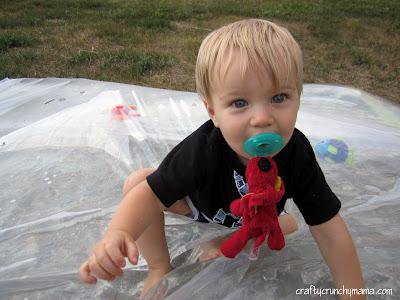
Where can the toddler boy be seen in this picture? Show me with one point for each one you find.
(249, 75)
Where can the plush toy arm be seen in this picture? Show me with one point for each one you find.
(236, 207)
(256, 199)
(267, 197)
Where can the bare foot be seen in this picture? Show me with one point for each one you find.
(153, 278)
(210, 249)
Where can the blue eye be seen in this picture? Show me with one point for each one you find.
(240, 103)
(279, 98)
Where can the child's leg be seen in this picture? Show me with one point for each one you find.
(287, 223)
(152, 243)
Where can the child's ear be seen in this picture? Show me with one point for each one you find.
(211, 112)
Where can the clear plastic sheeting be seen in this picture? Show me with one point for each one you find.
(66, 146)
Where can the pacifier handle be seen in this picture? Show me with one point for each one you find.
(263, 144)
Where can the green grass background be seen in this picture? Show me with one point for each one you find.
(155, 43)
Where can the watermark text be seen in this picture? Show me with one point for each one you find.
(313, 290)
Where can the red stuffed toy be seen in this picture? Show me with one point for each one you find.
(258, 209)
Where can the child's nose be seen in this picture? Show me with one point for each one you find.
(262, 116)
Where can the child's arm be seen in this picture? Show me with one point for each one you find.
(337, 248)
(136, 211)
(134, 214)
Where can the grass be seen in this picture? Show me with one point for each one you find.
(155, 43)
(13, 40)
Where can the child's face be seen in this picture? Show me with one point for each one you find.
(243, 107)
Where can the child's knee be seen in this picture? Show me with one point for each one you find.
(135, 178)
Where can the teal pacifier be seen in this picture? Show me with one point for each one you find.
(263, 144)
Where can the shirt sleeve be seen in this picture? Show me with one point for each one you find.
(180, 172)
(312, 194)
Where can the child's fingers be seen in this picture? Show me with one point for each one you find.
(84, 274)
(98, 270)
(131, 251)
(106, 262)
(116, 255)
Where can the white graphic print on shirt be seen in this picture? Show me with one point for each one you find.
(229, 219)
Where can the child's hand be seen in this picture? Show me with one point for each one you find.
(108, 257)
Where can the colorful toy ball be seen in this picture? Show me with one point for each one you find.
(332, 150)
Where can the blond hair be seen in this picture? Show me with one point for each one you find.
(263, 45)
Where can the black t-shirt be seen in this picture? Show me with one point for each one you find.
(207, 170)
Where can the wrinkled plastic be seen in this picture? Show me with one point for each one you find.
(66, 146)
